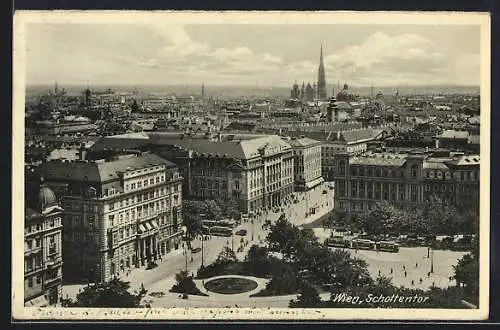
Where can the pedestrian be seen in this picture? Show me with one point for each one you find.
(392, 270)
(412, 282)
(433, 283)
(420, 280)
(379, 272)
(404, 268)
(406, 274)
(416, 265)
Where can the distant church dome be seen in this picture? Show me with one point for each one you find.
(46, 197)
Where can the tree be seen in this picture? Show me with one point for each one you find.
(437, 217)
(109, 294)
(467, 272)
(308, 298)
(192, 210)
(226, 256)
(213, 209)
(283, 238)
(229, 208)
(384, 218)
(185, 284)
(257, 260)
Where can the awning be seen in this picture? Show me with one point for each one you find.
(37, 302)
(314, 182)
(148, 226)
(142, 229)
(154, 223)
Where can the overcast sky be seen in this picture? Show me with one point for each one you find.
(267, 55)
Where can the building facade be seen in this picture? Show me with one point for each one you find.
(257, 172)
(307, 163)
(42, 249)
(352, 142)
(121, 213)
(405, 180)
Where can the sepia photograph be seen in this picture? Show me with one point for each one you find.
(250, 165)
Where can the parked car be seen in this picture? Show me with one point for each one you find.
(241, 232)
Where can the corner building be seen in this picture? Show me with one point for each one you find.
(42, 248)
(120, 214)
(307, 163)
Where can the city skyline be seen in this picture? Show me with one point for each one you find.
(250, 55)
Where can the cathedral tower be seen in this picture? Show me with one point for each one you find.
(321, 88)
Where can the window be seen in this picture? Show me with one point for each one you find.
(111, 220)
(132, 186)
(30, 282)
(157, 180)
(38, 279)
(414, 171)
(237, 185)
(151, 181)
(145, 183)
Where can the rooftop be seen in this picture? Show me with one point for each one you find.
(380, 159)
(302, 142)
(453, 134)
(99, 171)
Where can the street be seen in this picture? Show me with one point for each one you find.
(162, 278)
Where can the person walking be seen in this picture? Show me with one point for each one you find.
(406, 273)
(392, 270)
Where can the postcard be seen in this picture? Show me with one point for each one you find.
(251, 165)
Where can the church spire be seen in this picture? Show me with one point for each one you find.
(321, 91)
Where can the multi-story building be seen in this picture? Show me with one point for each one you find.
(42, 248)
(352, 142)
(404, 180)
(307, 163)
(119, 213)
(256, 171)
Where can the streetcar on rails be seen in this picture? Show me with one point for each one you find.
(363, 244)
(337, 241)
(221, 231)
(387, 246)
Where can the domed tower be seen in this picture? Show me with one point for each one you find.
(46, 198)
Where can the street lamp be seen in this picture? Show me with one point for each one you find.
(252, 229)
(432, 261)
(202, 252)
(184, 231)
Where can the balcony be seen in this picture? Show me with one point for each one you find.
(52, 262)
